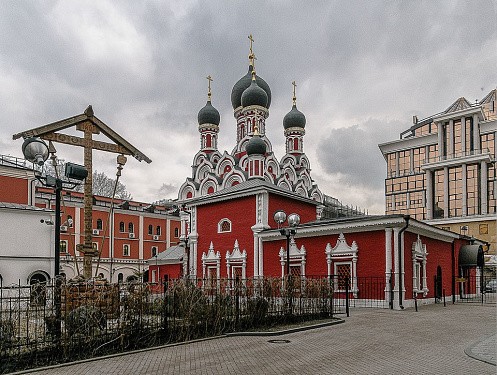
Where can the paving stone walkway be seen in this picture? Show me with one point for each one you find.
(457, 339)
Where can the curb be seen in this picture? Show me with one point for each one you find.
(286, 331)
(481, 357)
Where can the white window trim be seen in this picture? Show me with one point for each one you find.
(219, 226)
(129, 250)
(341, 253)
(297, 258)
(419, 260)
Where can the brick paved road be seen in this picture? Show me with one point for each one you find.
(431, 341)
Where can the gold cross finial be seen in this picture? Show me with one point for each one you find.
(251, 41)
(209, 78)
(251, 54)
(294, 96)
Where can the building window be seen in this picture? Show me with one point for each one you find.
(157, 230)
(95, 246)
(176, 232)
(154, 251)
(120, 278)
(99, 224)
(343, 274)
(483, 229)
(472, 189)
(126, 250)
(224, 226)
(150, 229)
(121, 227)
(131, 228)
(63, 246)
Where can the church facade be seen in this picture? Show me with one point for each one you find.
(228, 228)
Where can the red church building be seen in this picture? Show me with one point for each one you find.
(229, 231)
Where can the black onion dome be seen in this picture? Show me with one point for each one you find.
(255, 146)
(208, 115)
(254, 95)
(294, 119)
(243, 83)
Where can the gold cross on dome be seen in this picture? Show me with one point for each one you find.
(209, 78)
(251, 41)
(294, 88)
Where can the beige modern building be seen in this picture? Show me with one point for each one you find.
(442, 169)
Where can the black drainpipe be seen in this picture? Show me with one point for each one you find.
(399, 244)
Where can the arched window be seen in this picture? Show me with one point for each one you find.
(189, 195)
(99, 224)
(224, 226)
(120, 278)
(176, 232)
(150, 229)
(157, 230)
(126, 250)
(63, 246)
(154, 251)
(210, 190)
(121, 227)
(131, 228)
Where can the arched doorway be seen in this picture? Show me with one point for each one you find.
(438, 283)
(38, 288)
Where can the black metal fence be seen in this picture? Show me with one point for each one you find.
(62, 321)
(475, 288)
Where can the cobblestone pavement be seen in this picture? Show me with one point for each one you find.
(434, 340)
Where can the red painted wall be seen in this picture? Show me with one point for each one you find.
(307, 211)
(242, 214)
(14, 190)
(371, 253)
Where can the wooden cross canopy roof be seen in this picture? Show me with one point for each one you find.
(49, 132)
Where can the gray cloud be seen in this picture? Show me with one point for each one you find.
(142, 65)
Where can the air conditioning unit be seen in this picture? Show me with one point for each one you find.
(95, 232)
(156, 237)
(131, 235)
(63, 228)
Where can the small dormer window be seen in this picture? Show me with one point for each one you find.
(224, 226)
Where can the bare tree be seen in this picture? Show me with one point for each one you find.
(102, 184)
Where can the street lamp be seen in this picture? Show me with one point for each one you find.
(37, 151)
(293, 220)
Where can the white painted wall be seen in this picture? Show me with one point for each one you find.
(26, 244)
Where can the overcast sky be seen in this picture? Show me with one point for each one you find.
(363, 69)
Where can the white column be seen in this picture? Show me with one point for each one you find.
(484, 188)
(476, 133)
(261, 257)
(429, 194)
(446, 191)
(463, 134)
(464, 190)
(140, 238)
(168, 233)
(354, 275)
(425, 283)
(440, 139)
(256, 255)
(396, 267)
(450, 146)
(388, 261)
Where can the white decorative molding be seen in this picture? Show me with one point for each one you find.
(343, 252)
(236, 258)
(419, 259)
(296, 257)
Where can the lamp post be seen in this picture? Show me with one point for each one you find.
(293, 220)
(37, 151)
